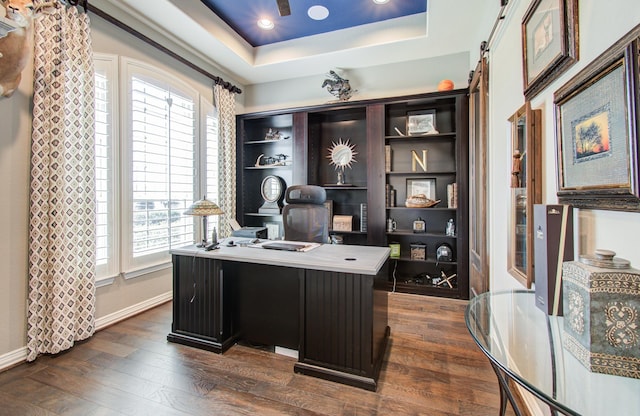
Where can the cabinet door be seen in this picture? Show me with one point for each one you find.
(338, 321)
(197, 301)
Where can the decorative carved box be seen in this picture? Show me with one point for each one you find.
(601, 300)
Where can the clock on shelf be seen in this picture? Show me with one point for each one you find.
(272, 191)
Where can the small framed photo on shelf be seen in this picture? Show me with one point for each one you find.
(342, 223)
(273, 230)
(421, 122)
(424, 186)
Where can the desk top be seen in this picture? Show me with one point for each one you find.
(328, 257)
(526, 343)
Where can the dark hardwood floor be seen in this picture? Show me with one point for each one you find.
(432, 367)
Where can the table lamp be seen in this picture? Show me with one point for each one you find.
(203, 208)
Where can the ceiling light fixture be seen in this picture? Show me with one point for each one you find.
(381, 1)
(265, 24)
(318, 12)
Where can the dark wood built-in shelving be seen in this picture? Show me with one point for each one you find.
(370, 126)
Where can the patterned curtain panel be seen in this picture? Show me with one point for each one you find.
(61, 291)
(226, 105)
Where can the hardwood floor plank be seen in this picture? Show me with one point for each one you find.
(12, 406)
(432, 367)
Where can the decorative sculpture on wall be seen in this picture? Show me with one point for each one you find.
(338, 86)
(342, 155)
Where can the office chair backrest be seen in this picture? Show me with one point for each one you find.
(305, 217)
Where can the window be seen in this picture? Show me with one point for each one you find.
(162, 139)
(165, 126)
(106, 149)
(211, 161)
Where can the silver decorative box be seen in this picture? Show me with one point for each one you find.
(601, 300)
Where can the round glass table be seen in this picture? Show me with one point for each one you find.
(525, 346)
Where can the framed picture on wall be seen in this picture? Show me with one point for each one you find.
(549, 42)
(597, 131)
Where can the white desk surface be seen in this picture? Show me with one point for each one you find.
(328, 257)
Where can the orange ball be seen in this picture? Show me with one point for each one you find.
(445, 85)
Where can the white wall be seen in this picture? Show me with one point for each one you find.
(15, 133)
(600, 25)
(379, 81)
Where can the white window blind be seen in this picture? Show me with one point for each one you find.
(106, 146)
(103, 182)
(163, 166)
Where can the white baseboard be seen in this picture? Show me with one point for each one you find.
(19, 356)
(13, 358)
(132, 310)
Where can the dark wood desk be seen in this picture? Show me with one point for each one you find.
(330, 304)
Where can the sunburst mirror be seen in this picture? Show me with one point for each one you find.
(342, 155)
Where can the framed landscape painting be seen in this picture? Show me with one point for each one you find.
(597, 131)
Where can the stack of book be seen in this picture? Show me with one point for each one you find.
(390, 196)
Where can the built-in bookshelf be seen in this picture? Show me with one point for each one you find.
(388, 160)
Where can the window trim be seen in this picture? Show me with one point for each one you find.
(106, 274)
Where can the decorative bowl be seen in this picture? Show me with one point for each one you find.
(420, 201)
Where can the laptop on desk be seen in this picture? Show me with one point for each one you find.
(289, 245)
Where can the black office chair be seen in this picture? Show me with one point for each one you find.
(305, 217)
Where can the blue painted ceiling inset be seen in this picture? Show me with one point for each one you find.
(242, 16)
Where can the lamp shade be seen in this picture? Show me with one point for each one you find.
(203, 208)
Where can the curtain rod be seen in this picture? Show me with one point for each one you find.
(132, 31)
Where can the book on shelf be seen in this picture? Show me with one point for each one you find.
(452, 195)
(387, 158)
(363, 217)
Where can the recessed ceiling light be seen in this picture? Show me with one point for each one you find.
(318, 12)
(381, 1)
(265, 24)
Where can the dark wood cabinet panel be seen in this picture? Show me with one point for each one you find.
(200, 315)
(345, 326)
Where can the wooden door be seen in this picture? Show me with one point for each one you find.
(478, 206)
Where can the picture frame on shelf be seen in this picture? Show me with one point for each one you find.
(549, 42)
(421, 123)
(425, 186)
(597, 131)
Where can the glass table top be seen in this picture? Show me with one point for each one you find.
(526, 344)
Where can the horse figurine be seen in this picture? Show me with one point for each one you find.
(338, 86)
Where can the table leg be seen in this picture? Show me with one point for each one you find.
(505, 392)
